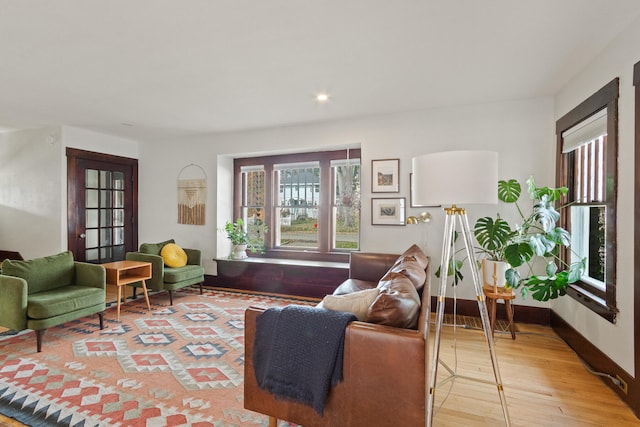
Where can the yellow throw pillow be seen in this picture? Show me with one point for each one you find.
(173, 255)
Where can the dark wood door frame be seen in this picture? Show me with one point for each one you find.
(73, 157)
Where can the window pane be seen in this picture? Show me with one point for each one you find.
(118, 236)
(105, 253)
(91, 255)
(105, 217)
(91, 199)
(588, 225)
(105, 179)
(118, 253)
(301, 230)
(346, 216)
(118, 199)
(254, 220)
(299, 187)
(298, 198)
(118, 181)
(91, 178)
(254, 188)
(106, 199)
(589, 178)
(118, 217)
(105, 237)
(91, 238)
(91, 218)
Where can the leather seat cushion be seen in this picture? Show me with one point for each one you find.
(175, 275)
(397, 304)
(67, 299)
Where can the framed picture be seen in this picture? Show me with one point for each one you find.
(411, 202)
(385, 176)
(389, 211)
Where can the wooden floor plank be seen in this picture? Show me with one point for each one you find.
(545, 383)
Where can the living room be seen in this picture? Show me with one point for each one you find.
(521, 128)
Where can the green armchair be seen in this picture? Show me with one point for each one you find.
(44, 292)
(165, 278)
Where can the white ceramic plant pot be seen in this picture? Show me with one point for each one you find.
(493, 274)
(239, 252)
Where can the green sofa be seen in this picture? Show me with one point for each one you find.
(44, 292)
(165, 278)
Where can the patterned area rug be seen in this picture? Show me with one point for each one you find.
(179, 365)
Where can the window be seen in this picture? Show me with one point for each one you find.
(309, 201)
(587, 165)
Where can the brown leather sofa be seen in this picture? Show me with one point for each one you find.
(383, 366)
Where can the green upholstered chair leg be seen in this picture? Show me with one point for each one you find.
(200, 288)
(39, 335)
(170, 298)
(101, 317)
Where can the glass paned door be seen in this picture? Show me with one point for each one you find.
(102, 208)
(104, 215)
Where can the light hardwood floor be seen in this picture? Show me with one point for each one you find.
(544, 382)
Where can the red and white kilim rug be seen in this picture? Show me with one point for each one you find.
(179, 365)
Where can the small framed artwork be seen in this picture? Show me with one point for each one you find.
(385, 176)
(389, 211)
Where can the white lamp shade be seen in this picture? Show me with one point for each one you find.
(455, 178)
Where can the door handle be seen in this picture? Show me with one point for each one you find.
(82, 236)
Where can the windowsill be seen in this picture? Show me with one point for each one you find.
(282, 261)
(592, 302)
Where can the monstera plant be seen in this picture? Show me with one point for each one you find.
(535, 237)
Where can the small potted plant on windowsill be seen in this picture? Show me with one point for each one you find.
(243, 238)
(535, 237)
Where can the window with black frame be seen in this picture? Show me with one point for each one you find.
(587, 166)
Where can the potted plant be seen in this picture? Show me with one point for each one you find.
(242, 237)
(536, 237)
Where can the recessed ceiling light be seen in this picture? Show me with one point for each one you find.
(322, 97)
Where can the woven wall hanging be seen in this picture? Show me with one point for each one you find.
(192, 195)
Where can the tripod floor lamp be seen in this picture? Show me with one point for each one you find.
(451, 179)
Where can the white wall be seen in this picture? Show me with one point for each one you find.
(33, 194)
(615, 340)
(522, 132)
(30, 194)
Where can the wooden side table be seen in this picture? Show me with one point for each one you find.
(121, 273)
(493, 295)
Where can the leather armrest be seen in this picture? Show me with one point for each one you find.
(386, 365)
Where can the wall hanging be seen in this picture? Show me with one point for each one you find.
(192, 195)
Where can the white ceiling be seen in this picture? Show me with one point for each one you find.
(149, 69)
